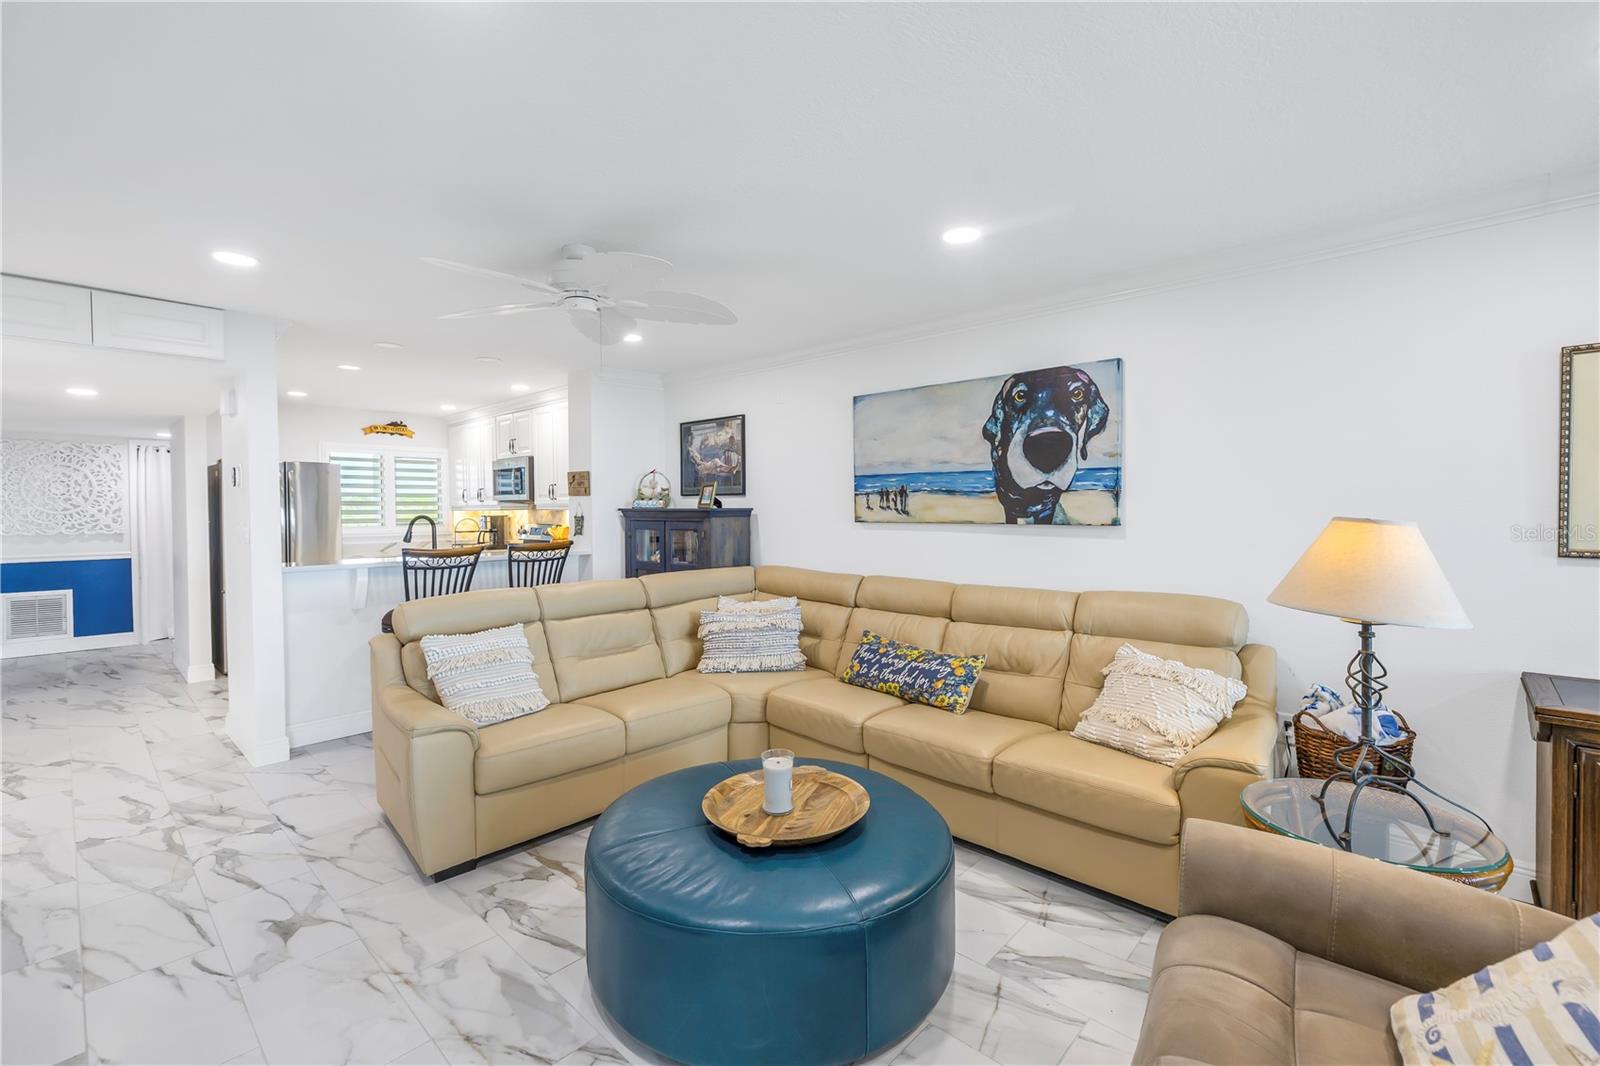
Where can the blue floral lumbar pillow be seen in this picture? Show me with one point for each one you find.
(914, 674)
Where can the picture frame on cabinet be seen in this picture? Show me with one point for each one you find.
(713, 451)
(708, 496)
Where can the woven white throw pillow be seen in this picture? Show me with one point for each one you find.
(1155, 708)
(727, 604)
(749, 636)
(485, 677)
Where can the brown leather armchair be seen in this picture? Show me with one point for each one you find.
(1286, 952)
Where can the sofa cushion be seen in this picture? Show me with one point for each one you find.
(660, 712)
(828, 710)
(749, 692)
(1098, 786)
(1225, 992)
(558, 740)
(485, 677)
(1023, 668)
(603, 651)
(960, 749)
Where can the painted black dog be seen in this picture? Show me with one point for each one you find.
(1040, 430)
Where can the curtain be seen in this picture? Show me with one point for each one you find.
(152, 539)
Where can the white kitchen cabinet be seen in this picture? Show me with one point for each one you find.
(522, 433)
(471, 459)
(45, 310)
(550, 452)
(514, 434)
(141, 325)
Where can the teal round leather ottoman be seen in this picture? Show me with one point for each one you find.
(708, 952)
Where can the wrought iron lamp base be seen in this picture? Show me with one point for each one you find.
(1370, 764)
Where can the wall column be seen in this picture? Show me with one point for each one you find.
(252, 556)
(615, 431)
(191, 553)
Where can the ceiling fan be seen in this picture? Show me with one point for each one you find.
(604, 293)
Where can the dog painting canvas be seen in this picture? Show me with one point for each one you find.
(1037, 447)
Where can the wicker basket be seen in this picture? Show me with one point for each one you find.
(1315, 743)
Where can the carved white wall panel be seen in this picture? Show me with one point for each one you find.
(63, 487)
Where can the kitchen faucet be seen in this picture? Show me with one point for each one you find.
(433, 527)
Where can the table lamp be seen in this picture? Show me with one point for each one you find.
(1371, 572)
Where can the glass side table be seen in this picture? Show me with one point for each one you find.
(1388, 827)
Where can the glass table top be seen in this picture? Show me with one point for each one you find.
(1387, 825)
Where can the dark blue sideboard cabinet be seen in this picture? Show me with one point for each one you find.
(661, 540)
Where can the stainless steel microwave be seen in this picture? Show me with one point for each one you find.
(513, 480)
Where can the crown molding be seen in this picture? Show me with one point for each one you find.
(1547, 195)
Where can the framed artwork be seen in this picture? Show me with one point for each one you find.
(1578, 503)
(712, 452)
(708, 495)
(1037, 447)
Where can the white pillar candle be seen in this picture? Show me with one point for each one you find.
(777, 780)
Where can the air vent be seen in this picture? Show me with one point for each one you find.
(36, 615)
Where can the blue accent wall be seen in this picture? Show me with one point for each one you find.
(102, 590)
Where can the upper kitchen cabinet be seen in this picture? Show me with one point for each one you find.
(44, 310)
(472, 452)
(514, 434)
(141, 325)
(550, 451)
(48, 310)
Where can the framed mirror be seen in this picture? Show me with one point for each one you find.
(1578, 508)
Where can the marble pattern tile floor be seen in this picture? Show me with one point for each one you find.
(164, 902)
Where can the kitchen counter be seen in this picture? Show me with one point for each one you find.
(331, 611)
(363, 562)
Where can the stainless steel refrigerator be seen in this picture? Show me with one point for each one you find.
(309, 495)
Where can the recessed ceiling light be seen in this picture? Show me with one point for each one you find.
(631, 338)
(387, 344)
(78, 390)
(163, 434)
(234, 259)
(447, 407)
(488, 360)
(348, 366)
(295, 394)
(961, 235)
(519, 387)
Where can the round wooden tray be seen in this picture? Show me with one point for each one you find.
(825, 805)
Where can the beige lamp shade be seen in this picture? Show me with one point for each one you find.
(1369, 570)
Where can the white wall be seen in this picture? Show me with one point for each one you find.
(303, 428)
(1417, 381)
(616, 432)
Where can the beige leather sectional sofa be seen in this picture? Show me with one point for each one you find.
(618, 659)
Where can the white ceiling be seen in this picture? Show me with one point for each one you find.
(796, 161)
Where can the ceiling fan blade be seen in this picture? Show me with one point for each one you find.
(499, 309)
(658, 306)
(605, 327)
(610, 272)
(485, 272)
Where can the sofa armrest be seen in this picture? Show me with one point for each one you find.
(1404, 926)
(414, 715)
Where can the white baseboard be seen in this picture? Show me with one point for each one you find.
(264, 753)
(18, 649)
(197, 673)
(345, 725)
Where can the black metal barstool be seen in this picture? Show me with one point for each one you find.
(536, 564)
(438, 571)
(434, 572)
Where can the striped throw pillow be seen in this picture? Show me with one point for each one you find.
(750, 636)
(1538, 1006)
(485, 677)
(1155, 708)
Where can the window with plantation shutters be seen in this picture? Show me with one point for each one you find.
(418, 487)
(361, 496)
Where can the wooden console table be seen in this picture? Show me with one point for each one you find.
(1564, 718)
